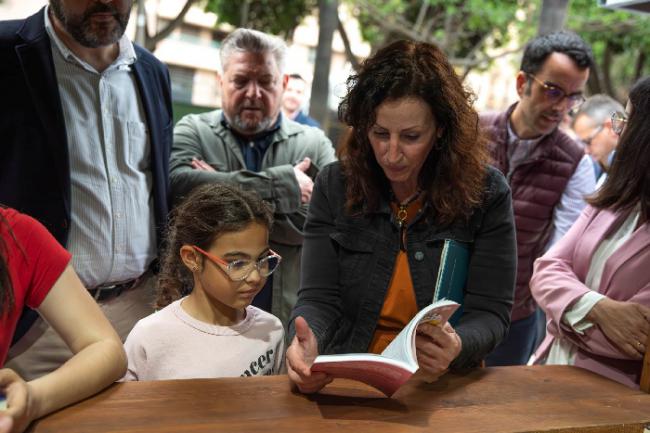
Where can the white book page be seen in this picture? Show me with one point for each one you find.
(402, 347)
(363, 357)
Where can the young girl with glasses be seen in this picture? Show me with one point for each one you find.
(218, 256)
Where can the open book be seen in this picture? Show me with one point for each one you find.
(396, 364)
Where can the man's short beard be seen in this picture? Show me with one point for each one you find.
(80, 27)
(248, 129)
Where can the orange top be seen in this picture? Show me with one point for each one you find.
(400, 305)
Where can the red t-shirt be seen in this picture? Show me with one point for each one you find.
(35, 261)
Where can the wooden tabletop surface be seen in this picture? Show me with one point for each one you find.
(558, 399)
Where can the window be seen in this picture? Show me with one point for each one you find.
(182, 83)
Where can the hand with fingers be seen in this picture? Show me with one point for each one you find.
(436, 347)
(17, 417)
(626, 324)
(304, 182)
(199, 164)
(300, 356)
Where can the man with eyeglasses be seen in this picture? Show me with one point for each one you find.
(548, 172)
(593, 127)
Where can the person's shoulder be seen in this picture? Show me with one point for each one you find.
(492, 118)
(264, 318)
(305, 119)
(146, 56)
(23, 30)
(310, 134)
(8, 220)
(332, 174)
(262, 324)
(333, 170)
(11, 215)
(567, 144)
(495, 183)
(209, 119)
(332, 182)
(310, 121)
(22, 224)
(489, 116)
(9, 32)
(156, 321)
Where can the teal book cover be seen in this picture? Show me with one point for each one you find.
(452, 275)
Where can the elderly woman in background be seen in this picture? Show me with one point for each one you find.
(594, 284)
(413, 173)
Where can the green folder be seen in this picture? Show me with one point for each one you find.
(452, 275)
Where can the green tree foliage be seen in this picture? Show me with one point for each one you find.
(279, 17)
(621, 44)
(463, 28)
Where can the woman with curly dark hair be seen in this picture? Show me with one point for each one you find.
(413, 173)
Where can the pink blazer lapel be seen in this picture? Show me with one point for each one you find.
(638, 242)
(596, 230)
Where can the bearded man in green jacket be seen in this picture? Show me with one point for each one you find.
(250, 144)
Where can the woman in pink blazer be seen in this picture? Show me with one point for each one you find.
(594, 284)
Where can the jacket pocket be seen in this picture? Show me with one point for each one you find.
(354, 255)
(456, 234)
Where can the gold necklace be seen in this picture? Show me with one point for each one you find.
(402, 208)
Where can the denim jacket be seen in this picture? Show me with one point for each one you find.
(348, 263)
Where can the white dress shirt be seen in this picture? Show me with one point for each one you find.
(112, 236)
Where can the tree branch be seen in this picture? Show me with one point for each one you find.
(593, 83)
(166, 31)
(465, 62)
(392, 23)
(449, 21)
(607, 61)
(346, 43)
(422, 13)
(621, 27)
(427, 30)
(638, 66)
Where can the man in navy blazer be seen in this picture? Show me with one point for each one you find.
(86, 127)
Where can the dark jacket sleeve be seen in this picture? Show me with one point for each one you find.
(491, 276)
(319, 298)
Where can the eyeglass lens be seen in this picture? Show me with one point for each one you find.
(555, 94)
(241, 269)
(618, 122)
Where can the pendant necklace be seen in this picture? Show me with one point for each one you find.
(402, 208)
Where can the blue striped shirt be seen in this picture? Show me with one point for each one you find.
(112, 236)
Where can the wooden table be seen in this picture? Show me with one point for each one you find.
(502, 399)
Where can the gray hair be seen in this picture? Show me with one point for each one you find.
(599, 108)
(253, 41)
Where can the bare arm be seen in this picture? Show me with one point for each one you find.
(98, 359)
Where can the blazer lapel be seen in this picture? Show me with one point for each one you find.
(600, 224)
(143, 75)
(635, 245)
(35, 58)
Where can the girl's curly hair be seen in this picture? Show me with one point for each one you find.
(207, 213)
